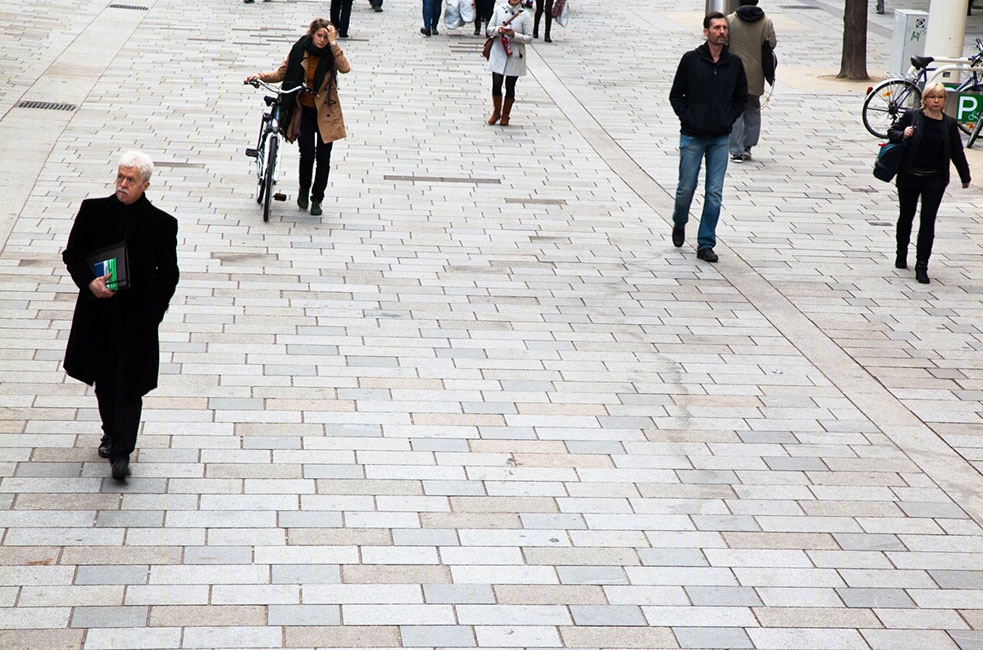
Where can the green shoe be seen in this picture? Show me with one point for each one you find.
(302, 200)
(315, 208)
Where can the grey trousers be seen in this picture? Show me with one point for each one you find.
(747, 129)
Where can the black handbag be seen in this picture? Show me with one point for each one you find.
(768, 62)
(889, 160)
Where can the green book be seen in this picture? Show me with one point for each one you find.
(111, 261)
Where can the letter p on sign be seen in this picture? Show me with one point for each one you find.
(968, 105)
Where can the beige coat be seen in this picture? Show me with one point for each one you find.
(330, 121)
(744, 40)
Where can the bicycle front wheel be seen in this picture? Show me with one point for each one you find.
(270, 169)
(886, 103)
(976, 133)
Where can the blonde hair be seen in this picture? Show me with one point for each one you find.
(933, 88)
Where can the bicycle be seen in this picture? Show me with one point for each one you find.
(267, 151)
(887, 102)
(976, 130)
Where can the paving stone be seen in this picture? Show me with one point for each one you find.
(712, 637)
(87, 617)
(112, 575)
(457, 636)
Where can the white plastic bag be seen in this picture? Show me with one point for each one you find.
(452, 14)
(467, 11)
(563, 16)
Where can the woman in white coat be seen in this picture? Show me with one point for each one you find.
(504, 66)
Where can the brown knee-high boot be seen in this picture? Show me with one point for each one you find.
(506, 110)
(497, 109)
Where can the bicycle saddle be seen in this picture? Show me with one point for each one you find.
(921, 61)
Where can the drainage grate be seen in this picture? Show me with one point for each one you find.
(165, 163)
(440, 179)
(882, 224)
(509, 199)
(138, 7)
(800, 7)
(48, 106)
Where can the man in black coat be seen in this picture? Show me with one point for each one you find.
(113, 342)
(708, 94)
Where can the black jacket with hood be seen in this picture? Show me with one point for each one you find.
(708, 96)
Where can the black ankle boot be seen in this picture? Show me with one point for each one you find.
(921, 272)
(901, 261)
(477, 28)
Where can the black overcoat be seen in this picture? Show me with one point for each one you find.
(121, 329)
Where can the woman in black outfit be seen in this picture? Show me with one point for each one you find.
(933, 141)
(541, 6)
(483, 10)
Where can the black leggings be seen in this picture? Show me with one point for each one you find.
(341, 15)
(483, 11)
(542, 5)
(313, 148)
(497, 85)
(931, 189)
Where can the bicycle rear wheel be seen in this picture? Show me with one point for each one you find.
(886, 103)
(268, 180)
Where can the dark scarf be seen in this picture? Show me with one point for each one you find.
(295, 72)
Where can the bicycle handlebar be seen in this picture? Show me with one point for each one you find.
(256, 83)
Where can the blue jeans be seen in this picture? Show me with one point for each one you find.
(431, 13)
(691, 151)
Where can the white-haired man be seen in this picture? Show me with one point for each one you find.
(113, 342)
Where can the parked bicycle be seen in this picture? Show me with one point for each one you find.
(267, 151)
(888, 101)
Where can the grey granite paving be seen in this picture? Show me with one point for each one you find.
(483, 402)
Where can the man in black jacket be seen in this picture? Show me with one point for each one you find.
(708, 94)
(113, 342)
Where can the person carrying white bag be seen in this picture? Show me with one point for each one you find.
(452, 14)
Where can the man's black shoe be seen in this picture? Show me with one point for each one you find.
(425, 31)
(707, 255)
(105, 447)
(678, 235)
(121, 468)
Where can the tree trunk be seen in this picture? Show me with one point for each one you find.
(853, 63)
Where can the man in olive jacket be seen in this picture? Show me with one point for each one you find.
(708, 93)
(113, 342)
(749, 29)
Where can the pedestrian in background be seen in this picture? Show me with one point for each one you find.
(748, 29)
(708, 92)
(933, 140)
(543, 6)
(507, 60)
(483, 10)
(376, 5)
(341, 15)
(113, 342)
(431, 17)
(314, 120)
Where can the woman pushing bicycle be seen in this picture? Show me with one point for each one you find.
(314, 120)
